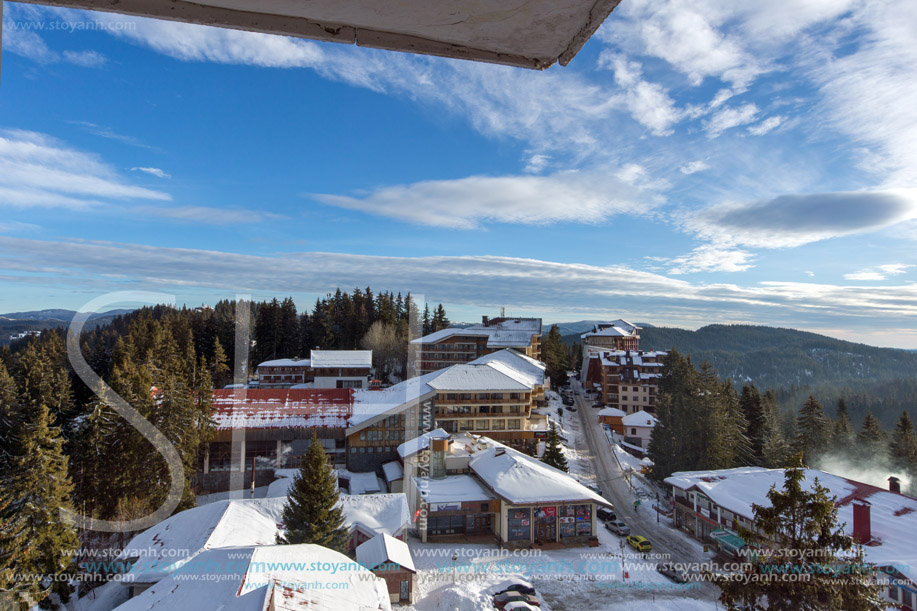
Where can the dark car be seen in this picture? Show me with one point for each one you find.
(673, 572)
(605, 514)
(598, 404)
(500, 600)
(515, 585)
(570, 408)
(568, 402)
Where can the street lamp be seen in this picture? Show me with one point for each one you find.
(454, 558)
(657, 508)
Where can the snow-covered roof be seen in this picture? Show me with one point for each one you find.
(282, 408)
(612, 412)
(341, 358)
(361, 483)
(393, 471)
(413, 446)
(476, 377)
(522, 479)
(523, 368)
(893, 517)
(500, 333)
(251, 578)
(368, 404)
(452, 489)
(377, 513)
(383, 549)
(640, 418)
(286, 363)
(177, 540)
(615, 328)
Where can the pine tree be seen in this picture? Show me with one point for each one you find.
(220, 372)
(903, 449)
(39, 487)
(871, 440)
(843, 436)
(10, 416)
(312, 513)
(800, 530)
(553, 453)
(440, 321)
(556, 357)
(813, 431)
(752, 405)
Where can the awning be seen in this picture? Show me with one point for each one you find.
(728, 540)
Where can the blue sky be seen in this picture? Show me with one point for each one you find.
(696, 163)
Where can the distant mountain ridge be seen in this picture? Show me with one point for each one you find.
(39, 320)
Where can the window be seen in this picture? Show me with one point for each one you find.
(633, 431)
(498, 425)
(514, 424)
(519, 525)
(480, 425)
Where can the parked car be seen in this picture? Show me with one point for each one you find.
(500, 600)
(618, 527)
(514, 585)
(673, 572)
(605, 514)
(519, 605)
(640, 543)
(570, 408)
(598, 404)
(568, 402)
(595, 489)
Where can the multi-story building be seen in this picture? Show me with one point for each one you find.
(493, 395)
(455, 346)
(607, 336)
(625, 379)
(711, 505)
(479, 490)
(325, 369)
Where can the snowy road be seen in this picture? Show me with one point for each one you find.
(643, 521)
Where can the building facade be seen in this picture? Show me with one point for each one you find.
(324, 369)
(455, 346)
(626, 380)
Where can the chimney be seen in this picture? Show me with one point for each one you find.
(894, 485)
(485, 320)
(862, 529)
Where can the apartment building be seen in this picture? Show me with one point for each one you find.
(456, 346)
(608, 336)
(625, 379)
(324, 369)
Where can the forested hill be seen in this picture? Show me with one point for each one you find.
(774, 357)
(798, 363)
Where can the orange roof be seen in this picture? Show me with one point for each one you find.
(282, 408)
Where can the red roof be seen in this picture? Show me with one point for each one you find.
(282, 408)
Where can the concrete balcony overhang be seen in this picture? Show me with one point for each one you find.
(524, 33)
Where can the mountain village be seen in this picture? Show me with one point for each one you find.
(447, 502)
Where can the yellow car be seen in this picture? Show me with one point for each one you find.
(641, 544)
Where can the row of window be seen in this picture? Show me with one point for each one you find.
(372, 449)
(484, 396)
(382, 435)
(481, 409)
(451, 426)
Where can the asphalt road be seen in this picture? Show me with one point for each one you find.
(610, 479)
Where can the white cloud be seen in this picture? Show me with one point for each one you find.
(537, 163)
(39, 171)
(152, 171)
(87, 59)
(204, 215)
(765, 126)
(692, 167)
(466, 203)
(880, 272)
(794, 220)
(481, 281)
(710, 258)
(648, 103)
(728, 118)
